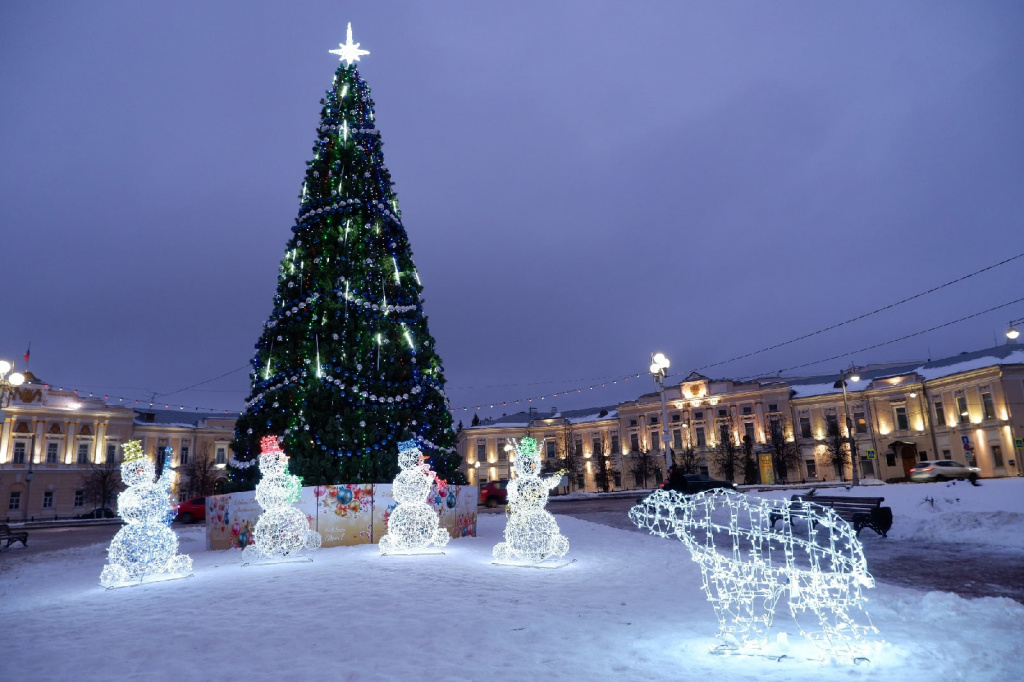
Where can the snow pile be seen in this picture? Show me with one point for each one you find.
(630, 607)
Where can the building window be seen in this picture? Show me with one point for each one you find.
(14, 502)
(867, 468)
(677, 439)
(578, 445)
(83, 452)
(698, 414)
(946, 454)
(961, 407)
(723, 433)
(997, 455)
(634, 442)
(657, 476)
(655, 440)
(618, 479)
(111, 453)
(222, 456)
(940, 413)
(922, 456)
(988, 408)
(831, 424)
(48, 499)
(723, 413)
(632, 422)
(19, 452)
(481, 451)
(747, 409)
(182, 497)
(615, 442)
(748, 430)
(773, 407)
(703, 469)
(899, 413)
(675, 417)
(638, 480)
(860, 424)
(502, 454)
(79, 498)
(890, 459)
(595, 445)
(702, 441)
(51, 452)
(805, 427)
(812, 468)
(183, 458)
(550, 447)
(652, 420)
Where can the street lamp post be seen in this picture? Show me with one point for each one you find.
(843, 374)
(8, 382)
(659, 368)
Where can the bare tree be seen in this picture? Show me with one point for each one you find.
(836, 453)
(199, 475)
(570, 452)
(785, 454)
(605, 467)
(101, 482)
(643, 464)
(687, 459)
(751, 474)
(727, 458)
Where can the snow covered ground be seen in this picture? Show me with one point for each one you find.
(629, 607)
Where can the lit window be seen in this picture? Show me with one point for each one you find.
(83, 452)
(222, 456)
(987, 406)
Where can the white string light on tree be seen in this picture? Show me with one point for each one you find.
(747, 566)
(531, 534)
(146, 546)
(413, 526)
(282, 530)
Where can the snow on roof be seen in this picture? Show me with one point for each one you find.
(587, 414)
(179, 418)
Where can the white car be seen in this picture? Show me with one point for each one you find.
(943, 470)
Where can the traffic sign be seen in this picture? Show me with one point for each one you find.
(870, 454)
(967, 442)
(1018, 443)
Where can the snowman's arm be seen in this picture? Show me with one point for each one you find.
(553, 481)
(166, 477)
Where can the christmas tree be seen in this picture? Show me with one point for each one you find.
(346, 366)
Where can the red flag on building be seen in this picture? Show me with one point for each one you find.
(29, 351)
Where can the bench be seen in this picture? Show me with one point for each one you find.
(12, 536)
(862, 512)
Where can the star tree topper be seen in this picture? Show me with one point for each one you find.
(349, 51)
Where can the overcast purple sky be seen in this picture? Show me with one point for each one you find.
(583, 183)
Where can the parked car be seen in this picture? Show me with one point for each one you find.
(192, 511)
(694, 483)
(494, 493)
(98, 513)
(943, 470)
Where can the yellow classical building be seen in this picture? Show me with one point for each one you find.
(58, 449)
(969, 407)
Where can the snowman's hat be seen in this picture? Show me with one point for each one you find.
(132, 451)
(269, 445)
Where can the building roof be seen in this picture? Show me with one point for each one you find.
(587, 414)
(180, 418)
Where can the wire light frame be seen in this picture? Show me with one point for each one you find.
(814, 558)
(282, 531)
(145, 547)
(531, 534)
(413, 526)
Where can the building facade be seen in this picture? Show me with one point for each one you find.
(968, 407)
(60, 453)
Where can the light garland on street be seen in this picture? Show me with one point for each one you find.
(146, 546)
(531, 534)
(282, 530)
(747, 566)
(413, 527)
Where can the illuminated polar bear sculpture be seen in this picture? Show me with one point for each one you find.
(531, 534)
(282, 530)
(413, 526)
(747, 566)
(145, 546)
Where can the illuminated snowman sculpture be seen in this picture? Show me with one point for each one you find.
(282, 530)
(531, 534)
(146, 546)
(413, 526)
